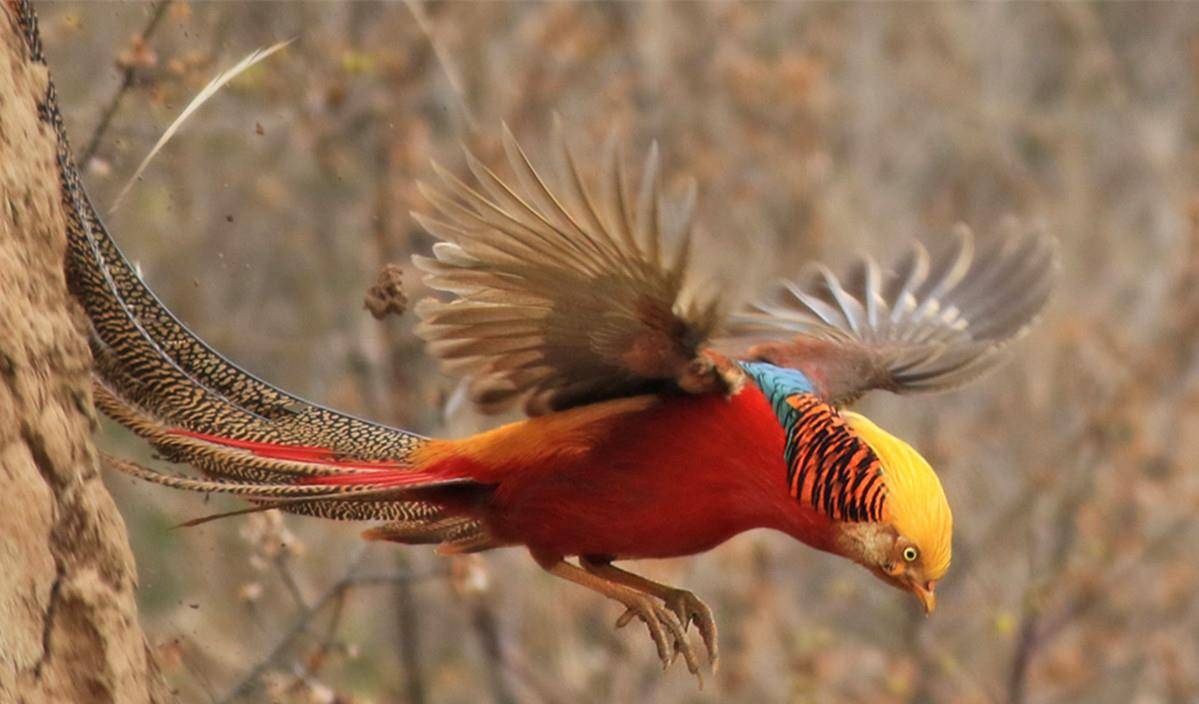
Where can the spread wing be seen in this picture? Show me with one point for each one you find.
(929, 323)
(562, 291)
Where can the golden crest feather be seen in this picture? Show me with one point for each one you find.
(916, 503)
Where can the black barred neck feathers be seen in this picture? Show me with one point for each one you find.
(845, 467)
(829, 467)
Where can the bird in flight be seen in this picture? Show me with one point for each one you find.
(569, 294)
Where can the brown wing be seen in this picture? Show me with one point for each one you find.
(930, 323)
(562, 292)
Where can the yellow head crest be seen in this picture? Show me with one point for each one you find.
(916, 505)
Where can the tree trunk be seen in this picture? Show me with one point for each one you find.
(68, 619)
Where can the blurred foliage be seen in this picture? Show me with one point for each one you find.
(815, 130)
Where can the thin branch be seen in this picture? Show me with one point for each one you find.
(1036, 628)
(407, 626)
(348, 581)
(1049, 626)
(339, 607)
(487, 629)
(1029, 642)
(313, 664)
(289, 580)
(127, 76)
(444, 61)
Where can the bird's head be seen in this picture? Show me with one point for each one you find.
(910, 548)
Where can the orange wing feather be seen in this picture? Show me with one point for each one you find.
(543, 440)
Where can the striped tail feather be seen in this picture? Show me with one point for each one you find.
(265, 463)
(250, 438)
(362, 503)
(305, 480)
(151, 360)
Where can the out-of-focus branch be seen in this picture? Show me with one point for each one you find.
(127, 77)
(1042, 630)
(487, 630)
(1180, 336)
(444, 61)
(289, 580)
(408, 627)
(471, 584)
(333, 594)
(1030, 641)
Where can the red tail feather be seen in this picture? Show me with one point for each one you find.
(296, 453)
(382, 473)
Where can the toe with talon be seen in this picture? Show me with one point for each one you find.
(691, 609)
(665, 629)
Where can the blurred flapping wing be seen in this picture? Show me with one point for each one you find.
(928, 324)
(562, 292)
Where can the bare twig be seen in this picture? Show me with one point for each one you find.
(1036, 628)
(407, 624)
(444, 61)
(127, 77)
(487, 629)
(348, 580)
(1048, 626)
(1029, 641)
(289, 580)
(313, 664)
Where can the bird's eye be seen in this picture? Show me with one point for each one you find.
(910, 554)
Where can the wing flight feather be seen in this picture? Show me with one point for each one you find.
(928, 323)
(562, 291)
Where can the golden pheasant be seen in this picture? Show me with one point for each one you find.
(643, 440)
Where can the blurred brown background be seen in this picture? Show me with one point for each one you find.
(815, 131)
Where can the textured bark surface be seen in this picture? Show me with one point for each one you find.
(68, 619)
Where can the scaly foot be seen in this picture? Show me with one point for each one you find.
(668, 632)
(691, 609)
(684, 604)
(665, 628)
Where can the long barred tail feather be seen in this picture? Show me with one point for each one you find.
(151, 360)
(355, 504)
(279, 493)
(229, 461)
(250, 438)
(297, 479)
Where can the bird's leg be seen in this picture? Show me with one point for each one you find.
(664, 627)
(686, 605)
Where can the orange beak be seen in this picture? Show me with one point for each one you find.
(927, 595)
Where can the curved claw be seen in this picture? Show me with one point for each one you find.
(691, 609)
(667, 612)
(666, 630)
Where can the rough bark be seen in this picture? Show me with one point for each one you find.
(68, 618)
